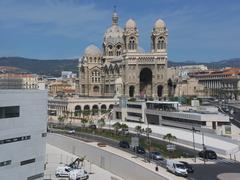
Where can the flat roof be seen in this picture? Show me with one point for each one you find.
(163, 102)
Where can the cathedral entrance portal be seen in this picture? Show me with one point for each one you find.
(131, 91)
(160, 91)
(146, 82)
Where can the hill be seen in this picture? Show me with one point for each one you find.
(54, 67)
(44, 67)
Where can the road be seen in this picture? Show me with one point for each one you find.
(209, 171)
(215, 170)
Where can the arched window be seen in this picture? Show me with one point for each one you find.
(161, 43)
(96, 89)
(96, 76)
(132, 43)
(119, 50)
(110, 50)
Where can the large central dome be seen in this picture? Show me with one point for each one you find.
(114, 34)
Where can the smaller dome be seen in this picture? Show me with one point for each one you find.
(131, 24)
(92, 50)
(159, 24)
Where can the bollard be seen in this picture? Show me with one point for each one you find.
(156, 168)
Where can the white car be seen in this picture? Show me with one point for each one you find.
(71, 131)
(177, 168)
(78, 174)
(63, 171)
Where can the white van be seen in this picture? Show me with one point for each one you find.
(177, 168)
(63, 171)
(78, 174)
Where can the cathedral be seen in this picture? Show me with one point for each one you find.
(122, 68)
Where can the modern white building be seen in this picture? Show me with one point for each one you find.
(167, 113)
(23, 121)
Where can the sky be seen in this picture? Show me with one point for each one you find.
(199, 30)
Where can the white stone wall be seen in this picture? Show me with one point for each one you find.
(32, 121)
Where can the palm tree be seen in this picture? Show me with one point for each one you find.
(139, 130)
(169, 137)
(61, 119)
(116, 127)
(84, 121)
(101, 122)
(124, 128)
(148, 130)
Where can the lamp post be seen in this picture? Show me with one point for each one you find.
(204, 148)
(193, 131)
(148, 131)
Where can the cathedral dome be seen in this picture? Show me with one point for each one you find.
(131, 24)
(159, 24)
(114, 34)
(92, 50)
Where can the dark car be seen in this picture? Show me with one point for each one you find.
(188, 166)
(139, 150)
(92, 126)
(124, 144)
(155, 155)
(207, 154)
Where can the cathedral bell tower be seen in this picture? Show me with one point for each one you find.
(130, 36)
(159, 37)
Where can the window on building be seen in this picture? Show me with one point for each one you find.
(161, 43)
(16, 139)
(29, 161)
(132, 43)
(37, 176)
(119, 50)
(44, 134)
(5, 163)
(95, 76)
(9, 112)
(110, 50)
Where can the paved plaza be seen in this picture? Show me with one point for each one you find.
(57, 157)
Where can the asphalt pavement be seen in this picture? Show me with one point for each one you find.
(213, 169)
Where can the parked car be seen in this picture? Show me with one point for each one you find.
(176, 168)
(124, 144)
(207, 154)
(92, 126)
(139, 150)
(188, 166)
(155, 155)
(63, 171)
(78, 174)
(72, 131)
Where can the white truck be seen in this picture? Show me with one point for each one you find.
(177, 168)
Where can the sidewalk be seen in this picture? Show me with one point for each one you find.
(57, 157)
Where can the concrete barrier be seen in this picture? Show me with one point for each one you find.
(113, 163)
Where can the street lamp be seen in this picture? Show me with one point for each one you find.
(193, 131)
(204, 148)
(148, 132)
